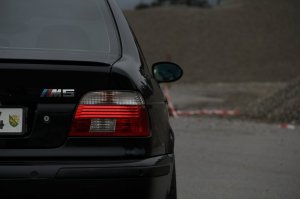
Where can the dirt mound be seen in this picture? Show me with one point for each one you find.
(283, 106)
(240, 41)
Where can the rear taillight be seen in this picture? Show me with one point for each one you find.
(111, 114)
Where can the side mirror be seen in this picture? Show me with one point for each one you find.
(166, 72)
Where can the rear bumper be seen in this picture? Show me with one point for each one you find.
(147, 178)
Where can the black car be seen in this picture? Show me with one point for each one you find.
(81, 115)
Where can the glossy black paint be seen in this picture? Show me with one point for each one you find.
(49, 154)
(132, 73)
(111, 179)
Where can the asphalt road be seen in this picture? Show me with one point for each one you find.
(220, 159)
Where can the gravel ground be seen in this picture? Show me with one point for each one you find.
(270, 102)
(223, 50)
(220, 95)
(282, 106)
(236, 160)
(240, 41)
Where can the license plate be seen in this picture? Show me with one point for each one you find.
(11, 121)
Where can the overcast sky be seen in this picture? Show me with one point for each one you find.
(127, 4)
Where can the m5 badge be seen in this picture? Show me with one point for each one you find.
(58, 93)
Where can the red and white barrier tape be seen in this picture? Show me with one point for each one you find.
(204, 112)
(170, 104)
(287, 126)
(207, 112)
(215, 112)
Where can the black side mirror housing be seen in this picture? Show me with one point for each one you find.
(166, 72)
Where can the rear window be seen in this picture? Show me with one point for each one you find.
(80, 30)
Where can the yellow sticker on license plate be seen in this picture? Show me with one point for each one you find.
(11, 120)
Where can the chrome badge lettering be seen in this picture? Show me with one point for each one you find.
(58, 93)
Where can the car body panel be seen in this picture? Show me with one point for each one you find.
(147, 178)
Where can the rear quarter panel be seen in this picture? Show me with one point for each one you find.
(131, 73)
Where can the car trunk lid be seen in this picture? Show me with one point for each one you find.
(48, 94)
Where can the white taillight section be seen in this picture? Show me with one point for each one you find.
(113, 97)
(111, 114)
(103, 125)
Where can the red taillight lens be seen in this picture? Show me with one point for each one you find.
(111, 114)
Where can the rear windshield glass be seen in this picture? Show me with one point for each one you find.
(80, 30)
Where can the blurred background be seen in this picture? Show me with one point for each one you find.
(251, 48)
(238, 104)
